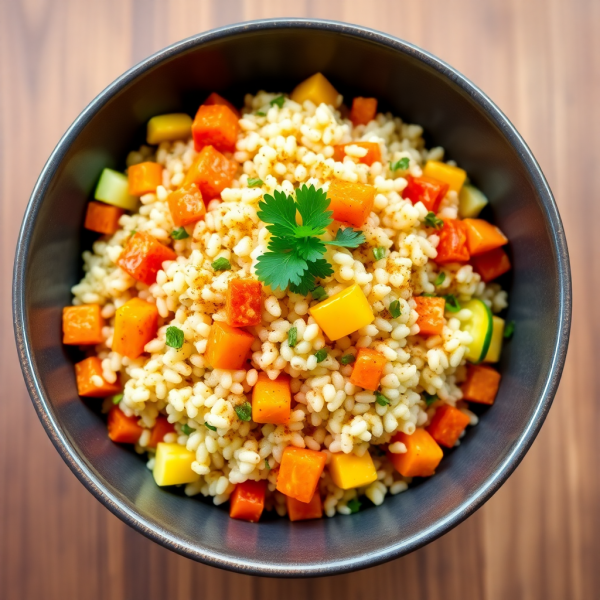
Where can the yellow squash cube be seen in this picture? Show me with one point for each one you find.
(351, 471)
(493, 353)
(165, 128)
(343, 313)
(317, 89)
(173, 465)
(453, 176)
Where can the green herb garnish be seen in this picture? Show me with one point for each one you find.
(255, 182)
(378, 253)
(295, 252)
(430, 398)
(354, 505)
(278, 101)
(319, 294)
(401, 164)
(260, 113)
(321, 355)
(244, 411)
(452, 304)
(347, 359)
(292, 336)
(179, 234)
(187, 430)
(440, 279)
(381, 399)
(133, 232)
(211, 427)
(394, 309)
(117, 398)
(432, 221)
(221, 264)
(174, 337)
(267, 465)
(509, 329)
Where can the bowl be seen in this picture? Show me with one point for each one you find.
(275, 55)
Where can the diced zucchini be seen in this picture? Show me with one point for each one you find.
(480, 326)
(471, 202)
(493, 353)
(113, 188)
(166, 128)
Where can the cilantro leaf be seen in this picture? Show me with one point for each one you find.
(255, 182)
(347, 359)
(211, 427)
(378, 253)
(394, 309)
(309, 248)
(440, 279)
(348, 238)
(319, 294)
(117, 398)
(174, 337)
(180, 234)
(321, 355)
(279, 210)
(221, 264)
(401, 164)
(431, 220)
(292, 336)
(187, 430)
(278, 101)
(354, 505)
(278, 270)
(312, 205)
(244, 411)
(320, 268)
(267, 465)
(260, 113)
(381, 399)
(430, 398)
(307, 283)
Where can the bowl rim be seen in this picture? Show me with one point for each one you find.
(122, 507)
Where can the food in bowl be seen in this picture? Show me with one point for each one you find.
(290, 306)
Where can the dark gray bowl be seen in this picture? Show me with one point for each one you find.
(275, 55)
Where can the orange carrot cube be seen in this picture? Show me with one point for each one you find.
(299, 472)
(363, 111)
(373, 152)
(431, 314)
(143, 257)
(82, 325)
(121, 428)
(483, 236)
(422, 455)
(492, 264)
(136, 323)
(160, 429)
(211, 172)
(244, 302)
(271, 400)
(427, 190)
(453, 243)
(102, 218)
(227, 347)
(481, 385)
(214, 98)
(90, 382)
(303, 511)
(215, 125)
(186, 205)
(247, 501)
(144, 178)
(351, 202)
(447, 425)
(368, 369)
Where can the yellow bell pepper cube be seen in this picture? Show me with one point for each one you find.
(453, 176)
(351, 471)
(173, 465)
(493, 353)
(343, 313)
(165, 128)
(317, 89)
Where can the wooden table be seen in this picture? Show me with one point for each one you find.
(539, 537)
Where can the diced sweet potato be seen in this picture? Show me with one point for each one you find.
(364, 110)
(491, 264)
(143, 257)
(481, 385)
(247, 501)
(271, 400)
(447, 425)
(82, 325)
(90, 382)
(422, 455)
(227, 346)
(215, 98)
(351, 202)
(431, 314)
(244, 302)
(186, 205)
(299, 472)
(215, 125)
(160, 429)
(121, 428)
(211, 172)
(483, 236)
(368, 369)
(136, 323)
(144, 178)
(102, 218)
(303, 511)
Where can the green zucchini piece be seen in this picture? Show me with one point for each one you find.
(480, 326)
(470, 202)
(113, 188)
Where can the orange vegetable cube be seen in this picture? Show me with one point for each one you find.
(481, 385)
(492, 264)
(453, 243)
(427, 190)
(483, 236)
(227, 346)
(299, 472)
(82, 325)
(271, 400)
(121, 428)
(368, 369)
(317, 89)
(214, 98)
(422, 455)
(244, 302)
(102, 218)
(363, 111)
(90, 382)
(144, 178)
(160, 429)
(431, 314)
(215, 125)
(186, 205)
(143, 257)
(351, 202)
(447, 425)
(136, 323)
(211, 172)
(248, 500)
(373, 152)
(303, 511)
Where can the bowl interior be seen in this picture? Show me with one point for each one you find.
(275, 57)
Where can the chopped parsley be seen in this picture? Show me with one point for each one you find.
(319, 294)
(440, 279)
(260, 113)
(244, 411)
(509, 329)
(401, 164)
(347, 359)
(117, 398)
(321, 355)
(378, 253)
(381, 399)
(211, 427)
(267, 465)
(187, 430)
(429, 398)
(354, 505)
(255, 182)
(292, 336)
(394, 309)
(278, 101)
(432, 221)
(174, 337)
(180, 234)
(452, 304)
(221, 264)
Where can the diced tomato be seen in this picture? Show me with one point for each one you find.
(160, 429)
(427, 190)
(364, 110)
(215, 98)
(453, 243)
(143, 257)
(248, 500)
(244, 302)
(492, 264)
(215, 125)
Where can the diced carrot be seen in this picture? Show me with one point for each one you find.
(121, 428)
(90, 382)
(248, 500)
(211, 172)
(271, 400)
(364, 110)
(453, 243)
(481, 385)
(447, 425)
(227, 346)
(431, 314)
(215, 125)
(82, 325)
(483, 236)
(102, 218)
(144, 178)
(136, 323)
(492, 264)
(422, 455)
(160, 429)
(373, 152)
(186, 205)
(351, 202)
(303, 511)
(368, 369)
(214, 98)
(299, 472)
(244, 302)
(427, 190)
(143, 257)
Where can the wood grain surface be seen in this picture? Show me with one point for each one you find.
(539, 537)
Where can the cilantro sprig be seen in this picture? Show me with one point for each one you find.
(295, 252)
